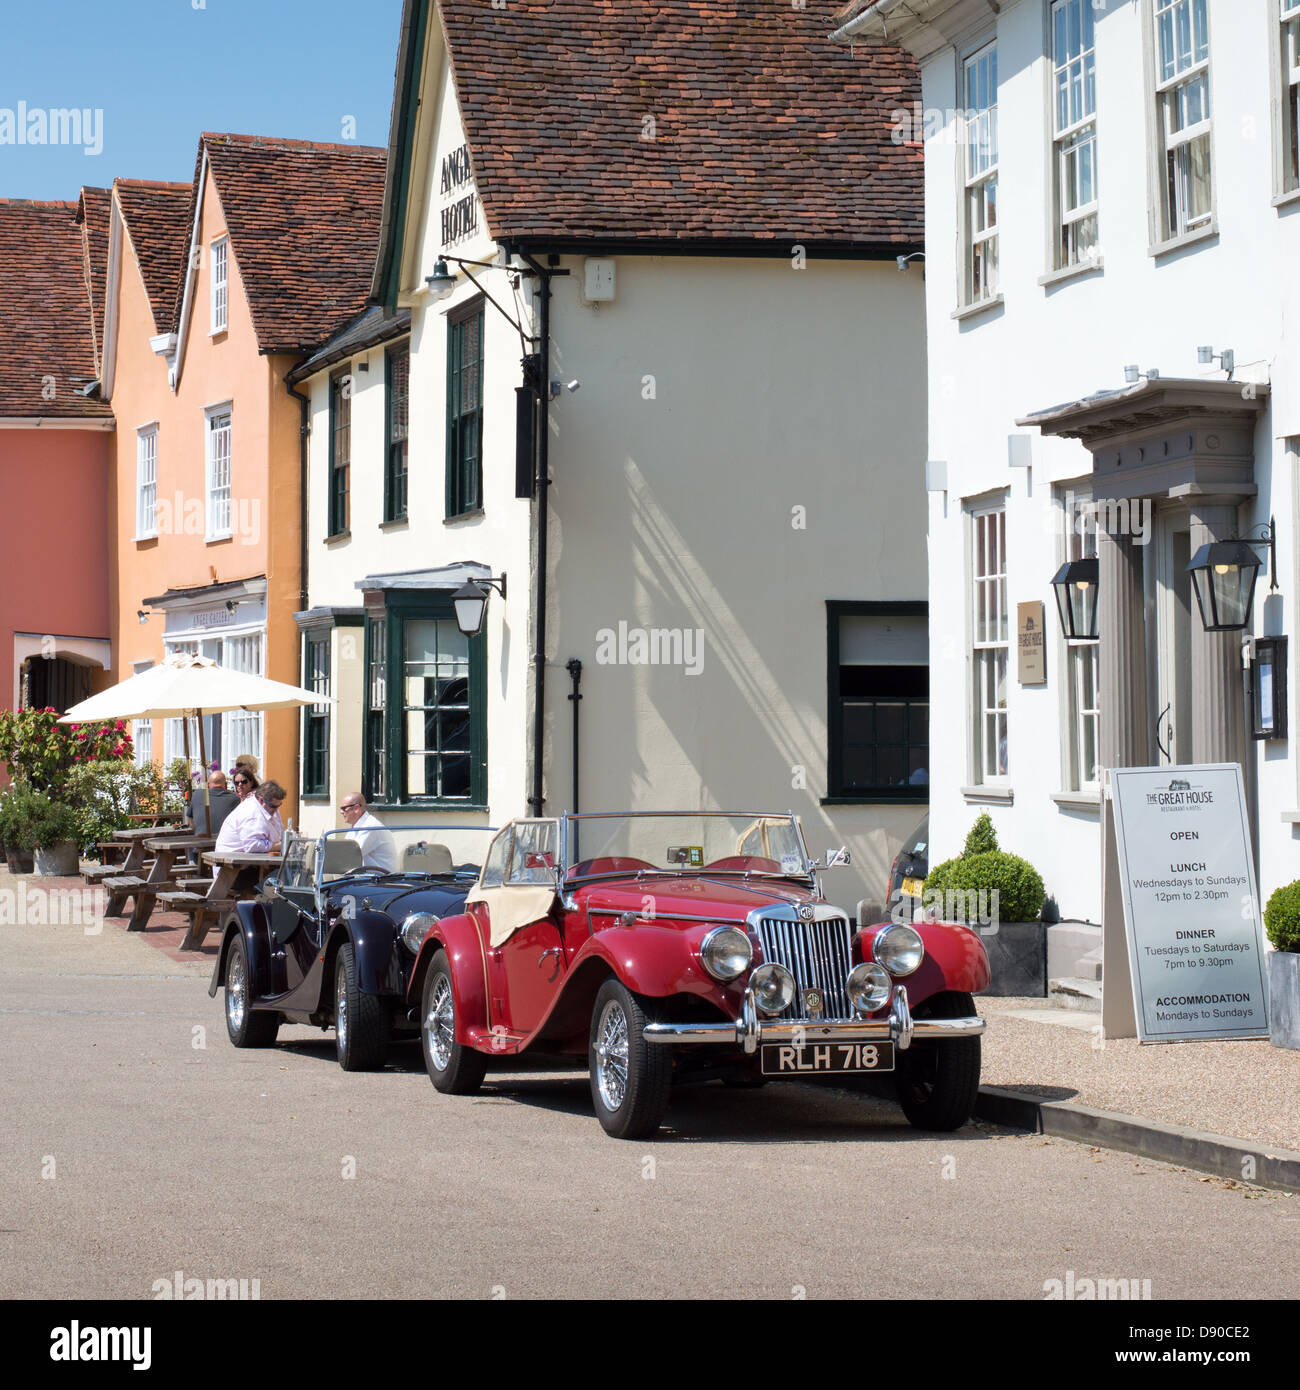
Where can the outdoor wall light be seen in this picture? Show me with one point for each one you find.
(1206, 356)
(442, 281)
(1076, 599)
(904, 261)
(470, 603)
(1133, 374)
(142, 616)
(559, 387)
(1224, 574)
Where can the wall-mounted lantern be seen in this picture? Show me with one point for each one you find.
(1223, 577)
(1076, 599)
(470, 603)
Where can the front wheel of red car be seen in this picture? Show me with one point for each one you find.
(630, 1078)
(454, 1069)
(938, 1081)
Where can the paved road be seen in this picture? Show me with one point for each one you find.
(170, 1150)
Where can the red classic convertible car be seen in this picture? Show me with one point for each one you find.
(672, 947)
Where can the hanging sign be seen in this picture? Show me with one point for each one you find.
(1195, 935)
(1031, 644)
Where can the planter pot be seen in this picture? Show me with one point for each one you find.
(19, 860)
(1284, 999)
(1018, 958)
(59, 861)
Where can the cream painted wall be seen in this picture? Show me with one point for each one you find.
(1048, 345)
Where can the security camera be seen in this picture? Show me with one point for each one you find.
(572, 386)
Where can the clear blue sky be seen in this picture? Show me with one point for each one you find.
(161, 71)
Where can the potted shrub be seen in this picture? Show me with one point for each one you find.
(19, 860)
(1001, 896)
(1282, 923)
(44, 827)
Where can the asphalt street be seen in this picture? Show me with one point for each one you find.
(138, 1143)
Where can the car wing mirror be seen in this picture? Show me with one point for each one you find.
(834, 858)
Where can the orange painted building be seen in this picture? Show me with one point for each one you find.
(56, 452)
(215, 290)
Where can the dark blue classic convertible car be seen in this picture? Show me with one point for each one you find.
(333, 937)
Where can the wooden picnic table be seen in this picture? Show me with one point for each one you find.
(130, 873)
(205, 909)
(158, 818)
(167, 849)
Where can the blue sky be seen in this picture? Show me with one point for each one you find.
(161, 71)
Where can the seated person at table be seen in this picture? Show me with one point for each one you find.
(221, 802)
(253, 828)
(378, 848)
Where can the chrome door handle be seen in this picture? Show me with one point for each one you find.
(558, 953)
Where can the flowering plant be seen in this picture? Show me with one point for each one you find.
(37, 749)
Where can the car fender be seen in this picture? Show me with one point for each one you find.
(650, 960)
(459, 937)
(955, 959)
(375, 950)
(249, 920)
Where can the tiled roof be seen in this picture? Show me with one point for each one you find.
(47, 344)
(683, 120)
(157, 221)
(304, 227)
(92, 217)
(372, 328)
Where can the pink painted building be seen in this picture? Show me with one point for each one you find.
(56, 454)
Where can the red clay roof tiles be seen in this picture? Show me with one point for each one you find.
(304, 226)
(699, 120)
(47, 344)
(93, 210)
(157, 221)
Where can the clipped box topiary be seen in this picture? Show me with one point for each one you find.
(1282, 923)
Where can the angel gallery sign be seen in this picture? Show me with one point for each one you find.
(1195, 937)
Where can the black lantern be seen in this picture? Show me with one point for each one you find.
(1076, 599)
(442, 281)
(1223, 575)
(470, 603)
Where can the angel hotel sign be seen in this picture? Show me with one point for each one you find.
(459, 199)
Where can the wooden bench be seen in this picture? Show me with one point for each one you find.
(203, 912)
(119, 890)
(97, 873)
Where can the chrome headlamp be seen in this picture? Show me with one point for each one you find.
(869, 987)
(726, 952)
(415, 928)
(773, 987)
(899, 949)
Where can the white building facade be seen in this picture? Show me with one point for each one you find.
(734, 505)
(1109, 184)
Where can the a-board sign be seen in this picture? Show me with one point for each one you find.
(1195, 935)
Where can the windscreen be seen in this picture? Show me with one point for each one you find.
(452, 852)
(685, 844)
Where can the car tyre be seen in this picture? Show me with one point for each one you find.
(630, 1078)
(362, 1022)
(938, 1081)
(454, 1069)
(245, 1026)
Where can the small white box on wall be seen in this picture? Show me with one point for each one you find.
(598, 279)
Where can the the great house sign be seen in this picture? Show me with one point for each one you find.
(460, 211)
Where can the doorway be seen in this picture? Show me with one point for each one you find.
(1169, 628)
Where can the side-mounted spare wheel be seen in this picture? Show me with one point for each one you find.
(630, 1078)
(363, 1022)
(245, 1026)
(454, 1069)
(938, 1080)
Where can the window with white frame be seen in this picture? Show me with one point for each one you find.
(174, 739)
(1182, 49)
(1288, 97)
(1074, 81)
(981, 175)
(220, 284)
(990, 641)
(142, 729)
(218, 472)
(241, 730)
(1084, 701)
(146, 482)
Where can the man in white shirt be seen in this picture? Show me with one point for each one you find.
(254, 826)
(378, 848)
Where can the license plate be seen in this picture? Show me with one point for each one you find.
(913, 887)
(824, 1059)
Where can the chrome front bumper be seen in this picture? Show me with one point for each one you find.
(748, 1031)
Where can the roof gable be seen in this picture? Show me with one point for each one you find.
(156, 218)
(93, 210)
(47, 327)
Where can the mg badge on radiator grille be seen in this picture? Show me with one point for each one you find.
(814, 1003)
(806, 912)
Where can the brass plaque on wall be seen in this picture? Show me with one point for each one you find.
(1031, 644)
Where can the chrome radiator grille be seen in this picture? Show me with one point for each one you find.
(816, 954)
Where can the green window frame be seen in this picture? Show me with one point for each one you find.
(316, 718)
(426, 706)
(878, 716)
(465, 411)
(397, 382)
(340, 446)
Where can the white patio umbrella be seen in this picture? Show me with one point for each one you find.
(185, 686)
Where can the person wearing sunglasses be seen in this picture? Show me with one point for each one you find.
(245, 783)
(378, 848)
(255, 827)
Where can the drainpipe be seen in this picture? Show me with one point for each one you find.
(304, 404)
